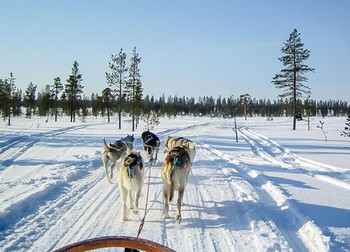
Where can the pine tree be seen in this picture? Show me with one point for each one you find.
(16, 102)
(106, 101)
(346, 131)
(245, 98)
(2, 96)
(74, 89)
(116, 80)
(56, 88)
(151, 119)
(7, 97)
(45, 101)
(30, 99)
(96, 105)
(291, 78)
(134, 86)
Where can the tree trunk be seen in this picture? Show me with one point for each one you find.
(294, 96)
(120, 108)
(56, 109)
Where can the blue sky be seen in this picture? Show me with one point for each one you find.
(188, 48)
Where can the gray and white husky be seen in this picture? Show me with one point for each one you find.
(114, 152)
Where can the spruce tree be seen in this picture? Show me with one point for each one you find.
(292, 77)
(73, 89)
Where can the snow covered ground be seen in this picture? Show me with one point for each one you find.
(273, 190)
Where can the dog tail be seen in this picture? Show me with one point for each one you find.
(105, 146)
(191, 145)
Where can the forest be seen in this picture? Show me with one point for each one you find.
(47, 103)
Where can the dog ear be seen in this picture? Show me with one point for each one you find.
(129, 160)
(191, 145)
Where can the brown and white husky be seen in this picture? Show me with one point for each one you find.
(175, 171)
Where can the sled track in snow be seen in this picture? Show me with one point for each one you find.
(21, 144)
(296, 228)
(39, 209)
(44, 209)
(276, 154)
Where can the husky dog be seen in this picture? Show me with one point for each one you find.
(130, 181)
(151, 145)
(171, 142)
(112, 153)
(175, 171)
(129, 141)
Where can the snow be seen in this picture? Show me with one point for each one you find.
(273, 190)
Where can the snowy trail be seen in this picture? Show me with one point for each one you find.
(238, 197)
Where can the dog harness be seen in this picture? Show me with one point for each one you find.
(177, 161)
(130, 171)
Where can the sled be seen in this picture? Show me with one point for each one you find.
(115, 241)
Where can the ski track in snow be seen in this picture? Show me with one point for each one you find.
(229, 204)
(279, 155)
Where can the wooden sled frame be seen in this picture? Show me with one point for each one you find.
(115, 241)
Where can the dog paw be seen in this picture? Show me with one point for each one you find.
(165, 216)
(178, 219)
(124, 219)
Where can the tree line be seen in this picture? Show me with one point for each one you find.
(48, 103)
(123, 95)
